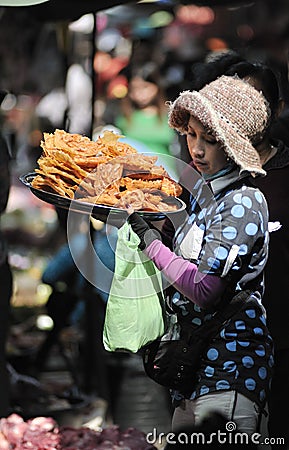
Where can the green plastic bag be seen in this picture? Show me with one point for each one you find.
(134, 312)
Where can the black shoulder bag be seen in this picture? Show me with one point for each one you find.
(174, 363)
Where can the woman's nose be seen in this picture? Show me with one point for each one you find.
(197, 149)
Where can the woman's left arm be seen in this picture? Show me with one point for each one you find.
(202, 289)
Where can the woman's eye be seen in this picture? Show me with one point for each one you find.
(210, 140)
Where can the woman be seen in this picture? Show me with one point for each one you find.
(274, 154)
(222, 245)
(143, 115)
(275, 187)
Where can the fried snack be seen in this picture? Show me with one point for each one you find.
(90, 163)
(105, 172)
(74, 143)
(134, 198)
(63, 162)
(170, 187)
(106, 176)
(136, 162)
(108, 198)
(55, 184)
(146, 201)
(109, 145)
(167, 185)
(130, 184)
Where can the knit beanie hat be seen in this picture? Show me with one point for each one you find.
(233, 110)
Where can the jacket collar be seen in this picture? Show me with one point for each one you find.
(280, 159)
(219, 184)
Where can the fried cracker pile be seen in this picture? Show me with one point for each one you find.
(106, 172)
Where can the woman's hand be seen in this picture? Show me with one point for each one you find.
(146, 234)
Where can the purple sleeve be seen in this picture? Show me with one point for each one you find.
(200, 288)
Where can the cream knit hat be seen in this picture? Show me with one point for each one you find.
(235, 111)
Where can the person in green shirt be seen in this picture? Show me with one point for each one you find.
(143, 116)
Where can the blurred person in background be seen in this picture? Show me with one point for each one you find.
(6, 281)
(274, 154)
(143, 114)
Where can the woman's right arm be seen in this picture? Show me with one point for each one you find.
(202, 289)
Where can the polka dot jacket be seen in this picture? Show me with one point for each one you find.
(226, 234)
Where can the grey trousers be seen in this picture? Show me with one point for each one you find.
(234, 406)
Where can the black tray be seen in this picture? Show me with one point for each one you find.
(95, 210)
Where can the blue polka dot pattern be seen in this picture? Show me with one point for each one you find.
(251, 313)
(260, 351)
(263, 320)
(237, 198)
(230, 366)
(213, 263)
(258, 197)
(240, 325)
(209, 237)
(212, 354)
(262, 225)
(231, 346)
(262, 372)
(258, 330)
(196, 321)
(221, 252)
(243, 250)
(202, 214)
(248, 361)
(209, 371)
(251, 229)
(191, 219)
(271, 361)
(243, 343)
(246, 201)
(217, 218)
(204, 390)
(238, 211)
(220, 207)
(230, 233)
(240, 356)
(250, 384)
(222, 384)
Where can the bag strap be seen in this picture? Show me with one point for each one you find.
(223, 315)
(210, 327)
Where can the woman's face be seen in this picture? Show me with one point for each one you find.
(207, 154)
(142, 92)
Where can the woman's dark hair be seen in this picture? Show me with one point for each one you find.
(215, 65)
(264, 79)
(231, 63)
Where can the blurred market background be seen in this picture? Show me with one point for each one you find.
(66, 65)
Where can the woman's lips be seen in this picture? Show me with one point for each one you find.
(200, 164)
